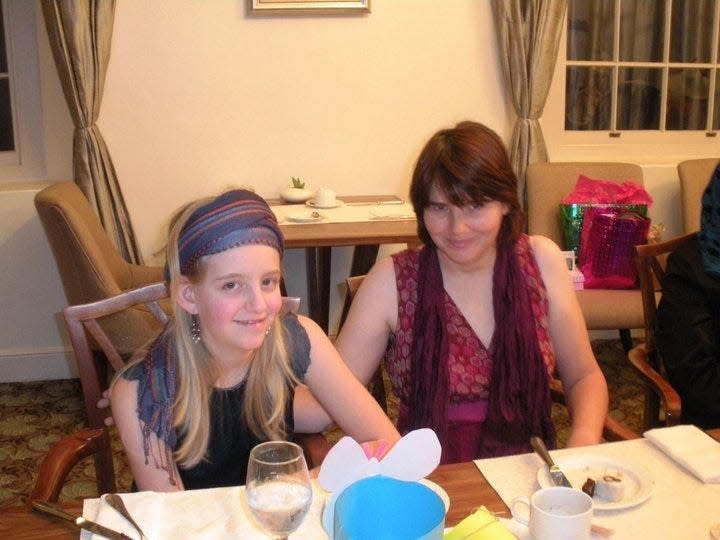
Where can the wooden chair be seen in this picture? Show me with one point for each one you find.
(612, 429)
(547, 184)
(650, 260)
(694, 177)
(86, 334)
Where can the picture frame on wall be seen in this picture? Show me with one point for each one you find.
(308, 7)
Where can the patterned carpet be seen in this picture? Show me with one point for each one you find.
(36, 415)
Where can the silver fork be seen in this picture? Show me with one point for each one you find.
(116, 502)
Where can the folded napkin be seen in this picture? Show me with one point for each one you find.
(692, 448)
(480, 525)
(202, 513)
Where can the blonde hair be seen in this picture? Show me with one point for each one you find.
(269, 380)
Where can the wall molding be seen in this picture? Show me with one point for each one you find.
(36, 364)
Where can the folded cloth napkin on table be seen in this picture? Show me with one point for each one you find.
(480, 525)
(692, 448)
(216, 513)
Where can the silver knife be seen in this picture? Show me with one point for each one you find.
(80, 521)
(556, 475)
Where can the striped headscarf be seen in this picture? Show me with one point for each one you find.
(709, 236)
(233, 219)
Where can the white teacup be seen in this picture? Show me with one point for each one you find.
(325, 197)
(555, 513)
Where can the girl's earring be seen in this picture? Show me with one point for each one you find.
(195, 330)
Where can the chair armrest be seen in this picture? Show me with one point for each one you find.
(612, 429)
(315, 446)
(60, 460)
(671, 399)
(617, 431)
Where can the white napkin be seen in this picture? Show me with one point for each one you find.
(203, 513)
(692, 448)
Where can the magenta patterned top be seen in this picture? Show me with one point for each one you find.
(470, 360)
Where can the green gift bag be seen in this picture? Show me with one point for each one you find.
(571, 217)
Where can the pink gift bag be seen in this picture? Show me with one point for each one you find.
(607, 240)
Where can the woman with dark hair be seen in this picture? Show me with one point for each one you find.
(473, 325)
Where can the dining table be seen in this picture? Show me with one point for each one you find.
(468, 488)
(363, 222)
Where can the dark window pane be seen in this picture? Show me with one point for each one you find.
(687, 99)
(589, 95)
(691, 31)
(7, 141)
(641, 31)
(716, 112)
(3, 50)
(590, 29)
(639, 98)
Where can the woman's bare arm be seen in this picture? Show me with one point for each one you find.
(583, 382)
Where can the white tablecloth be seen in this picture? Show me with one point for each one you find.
(680, 505)
(345, 213)
(208, 513)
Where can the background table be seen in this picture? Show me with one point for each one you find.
(318, 239)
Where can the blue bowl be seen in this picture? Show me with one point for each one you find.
(381, 507)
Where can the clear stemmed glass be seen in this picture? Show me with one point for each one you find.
(278, 487)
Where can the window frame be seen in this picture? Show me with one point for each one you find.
(633, 145)
(27, 161)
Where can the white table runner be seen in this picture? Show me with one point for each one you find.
(346, 213)
(205, 513)
(680, 506)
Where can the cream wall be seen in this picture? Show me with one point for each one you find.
(199, 96)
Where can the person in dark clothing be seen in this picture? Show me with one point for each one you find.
(688, 317)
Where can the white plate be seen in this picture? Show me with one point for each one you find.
(312, 204)
(638, 481)
(303, 217)
(328, 514)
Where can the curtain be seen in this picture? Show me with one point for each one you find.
(528, 34)
(80, 33)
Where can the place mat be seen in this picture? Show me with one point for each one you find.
(680, 505)
(344, 214)
(202, 513)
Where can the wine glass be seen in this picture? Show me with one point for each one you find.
(278, 487)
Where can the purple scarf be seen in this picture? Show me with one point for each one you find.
(519, 396)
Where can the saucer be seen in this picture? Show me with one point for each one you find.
(312, 204)
(304, 217)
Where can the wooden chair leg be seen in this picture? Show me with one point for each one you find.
(104, 469)
(626, 339)
(377, 389)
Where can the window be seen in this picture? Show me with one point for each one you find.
(642, 65)
(7, 133)
(22, 153)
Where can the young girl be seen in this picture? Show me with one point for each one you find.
(221, 377)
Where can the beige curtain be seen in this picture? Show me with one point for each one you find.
(528, 34)
(80, 33)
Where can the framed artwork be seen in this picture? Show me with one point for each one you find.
(308, 7)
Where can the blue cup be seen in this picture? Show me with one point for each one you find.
(381, 507)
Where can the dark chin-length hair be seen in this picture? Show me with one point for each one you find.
(469, 164)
